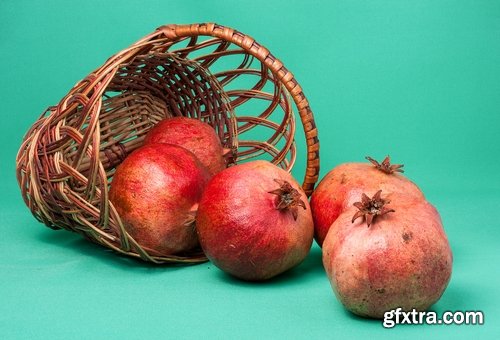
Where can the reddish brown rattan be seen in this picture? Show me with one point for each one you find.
(206, 71)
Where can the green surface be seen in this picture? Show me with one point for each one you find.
(416, 79)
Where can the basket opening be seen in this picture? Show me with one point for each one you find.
(150, 88)
(262, 106)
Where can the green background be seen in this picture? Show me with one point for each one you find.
(419, 80)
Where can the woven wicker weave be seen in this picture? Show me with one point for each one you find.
(206, 71)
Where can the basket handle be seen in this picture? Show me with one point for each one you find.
(246, 42)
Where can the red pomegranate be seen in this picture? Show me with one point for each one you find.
(254, 221)
(380, 256)
(156, 191)
(343, 185)
(193, 135)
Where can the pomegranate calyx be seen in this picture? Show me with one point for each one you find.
(288, 198)
(369, 208)
(386, 165)
(191, 216)
(229, 156)
(190, 221)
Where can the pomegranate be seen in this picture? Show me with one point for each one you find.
(342, 186)
(380, 257)
(156, 191)
(254, 221)
(194, 135)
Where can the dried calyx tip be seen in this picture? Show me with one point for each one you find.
(369, 208)
(229, 156)
(289, 198)
(386, 165)
(191, 216)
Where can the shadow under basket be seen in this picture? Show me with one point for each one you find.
(205, 71)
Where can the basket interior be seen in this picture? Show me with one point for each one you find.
(144, 91)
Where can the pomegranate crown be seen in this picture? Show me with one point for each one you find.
(289, 198)
(369, 208)
(386, 165)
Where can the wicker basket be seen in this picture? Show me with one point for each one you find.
(207, 71)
